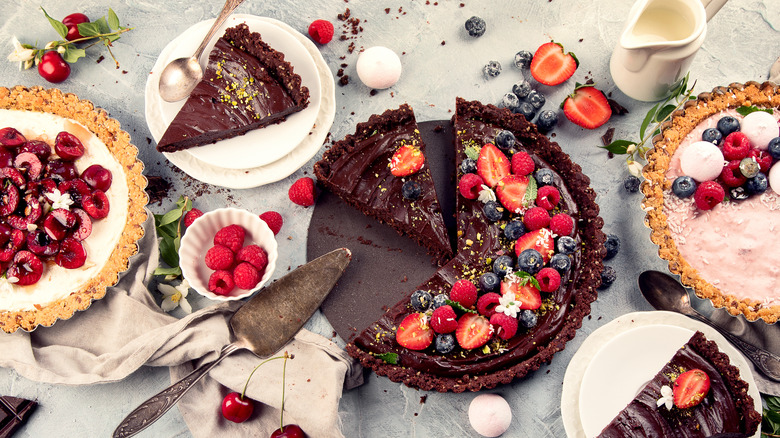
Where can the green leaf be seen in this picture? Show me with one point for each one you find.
(57, 25)
(530, 192)
(457, 306)
(391, 358)
(168, 271)
(170, 217)
(526, 278)
(648, 118)
(111, 38)
(772, 402)
(745, 110)
(73, 54)
(177, 245)
(618, 147)
(88, 29)
(102, 25)
(113, 20)
(664, 112)
(472, 152)
(168, 252)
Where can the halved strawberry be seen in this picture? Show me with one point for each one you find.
(550, 66)
(407, 160)
(473, 331)
(690, 388)
(492, 165)
(540, 240)
(527, 295)
(414, 332)
(587, 107)
(516, 192)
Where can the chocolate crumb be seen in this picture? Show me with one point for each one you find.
(423, 398)
(373, 92)
(340, 73)
(443, 43)
(387, 10)
(581, 39)
(344, 80)
(617, 108)
(157, 189)
(148, 140)
(100, 59)
(124, 72)
(462, 5)
(344, 65)
(607, 137)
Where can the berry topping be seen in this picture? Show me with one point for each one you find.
(493, 212)
(41, 149)
(536, 218)
(526, 110)
(731, 175)
(562, 224)
(527, 318)
(507, 326)
(321, 31)
(41, 244)
(690, 388)
(763, 159)
(757, 185)
(439, 300)
(96, 204)
(10, 137)
(505, 140)
(83, 227)
(540, 240)
(254, 255)
(502, 265)
(514, 229)
(273, 220)
(774, 148)
(246, 276)
(708, 195)
(515, 193)
(12, 175)
(219, 257)
(98, 177)
(445, 343)
(421, 300)
(407, 160)
(491, 69)
(444, 320)
(489, 282)
(544, 177)
(684, 186)
(608, 276)
(473, 331)
(566, 245)
(29, 213)
(522, 88)
(612, 245)
(29, 164)
(470, 185)
(522, 296)
(53, 68)
(231, 236)
(475, 26)
(551, 66)
(302, 192)
(547, 120)
(468, 165)
(712, 135)
(221, 282)
(76, 189)
(9, 199)
(631, 184)
(58, 223)
(26, 267)
(411, 190)
(492, 165)
(530, 261)
(72, 254)
(560, 262)
(522, 164)
(523, 60)
(464, 292)
(414, 332)
(511, 101)
(68, 146)
(549, 279)
(486, 304)
(548, 197)
(191, 215)
(60, 171)
(587, 107)
(536, 99)
(736, 146)
(727, 125)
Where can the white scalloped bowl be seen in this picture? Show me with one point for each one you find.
(199, 237)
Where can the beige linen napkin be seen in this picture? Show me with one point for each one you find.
(127, 330)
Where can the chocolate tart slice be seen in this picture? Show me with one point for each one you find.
(247, 85)
(357, 170)
(727, 407)
(480, 242)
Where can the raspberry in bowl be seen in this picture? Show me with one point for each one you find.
(228, 254)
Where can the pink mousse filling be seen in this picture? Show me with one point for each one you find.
(733, 246)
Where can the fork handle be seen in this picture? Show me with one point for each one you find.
(154, 408)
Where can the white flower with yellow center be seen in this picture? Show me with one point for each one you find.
(486, 194)
(508, 305)
(21, 54)
(59, 200)
(667, 398)
(175, 296)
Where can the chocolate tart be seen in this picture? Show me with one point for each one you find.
(659, 200)
(479, 242)
(727, 407)
(247, 85)
(357, 170)
(86, 122)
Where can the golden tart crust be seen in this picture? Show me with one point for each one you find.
(665, 144)
(108, 130)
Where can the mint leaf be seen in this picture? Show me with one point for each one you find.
(618, 147)
(472, 152)
(57, 25)
(745, 110)
(457, 306)
(526, 278)
(113, 20)
(391, 358)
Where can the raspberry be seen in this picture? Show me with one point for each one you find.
(231, 236)
(219, 257)
(736, 146)
(274, 221)
(254, 255)
(464, 292)
(549, 280)
(548, 197)
(191, 215)
(444, 320)
(708, 195)
(246, 276)
(221, 282)
(763, 159)
(302, 192)
(536, 218)
(562, 224)
(731, 175)
(470, 185)
(486, 304)
(507, 325)
(321, 31)
(522, 164)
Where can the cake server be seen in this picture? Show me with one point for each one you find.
(263, 325)
(663, 292)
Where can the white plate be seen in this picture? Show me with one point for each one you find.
(279, 169)
(591, 349)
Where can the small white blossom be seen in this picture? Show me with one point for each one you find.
(507, 305)
(631, 149)
(634, 168)
(486, 194)
(50, 45)
(59, 200)
(21, 54)
(175, 296)
(667, 398)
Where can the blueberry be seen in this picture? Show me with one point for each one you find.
(712, 135)
(489, 282)
(684, 186)
(566, 245)
(445, 343)
(613, 246)
(493, 212)
(505, 140)
(749, 167)
(727, 125)
(608, 276)
(536, 99)
(774, 148)
(544, 177)
(523, 59)
(528, 319)
(514, 229)
(509, 101)
(738, 194)
(756, 185)
(526, 109)
(631, 184)
(521, 89)
(547, 120)
(530, 261)
(439, 300)
(475, 26)
(411, 190)
(421, 300)
(492, 69)
(560, 262)
(503, 265)
(468, 165)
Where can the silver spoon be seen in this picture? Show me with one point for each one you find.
(181, 75)
(664, 292)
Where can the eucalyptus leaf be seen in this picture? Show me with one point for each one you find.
(56, 24)
(113, 20)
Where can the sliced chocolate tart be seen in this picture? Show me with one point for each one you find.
(247, 85)
(521, 281)
(362, 170)
(725, 408)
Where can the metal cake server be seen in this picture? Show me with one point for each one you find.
(262, 325)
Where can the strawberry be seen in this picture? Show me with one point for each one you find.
(406, 160)
(690, 388)
(492, 165)
(473, 331)
(550, 66)
(516, 192)
(540, 240)
(528, 295)
(587, 107)
(414, 332)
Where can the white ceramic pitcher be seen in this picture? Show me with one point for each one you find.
(658, 44)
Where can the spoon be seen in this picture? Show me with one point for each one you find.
(181, 75)
(666, 293)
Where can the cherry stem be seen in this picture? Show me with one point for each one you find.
(258, 366)
(284, 373)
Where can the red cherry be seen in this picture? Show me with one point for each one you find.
(97, 177)
(72, 22)
(236, 408)
(53, 68)
(289, 431)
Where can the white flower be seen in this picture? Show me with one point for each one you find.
(59, 200)
(20, 54)
(175, 296)
(634, 168)
(667, 398)
(507, 305)
(486, 194)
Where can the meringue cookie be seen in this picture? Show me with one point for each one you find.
(379, 67)
(760, 127)
(490, 415)
(702, 161)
